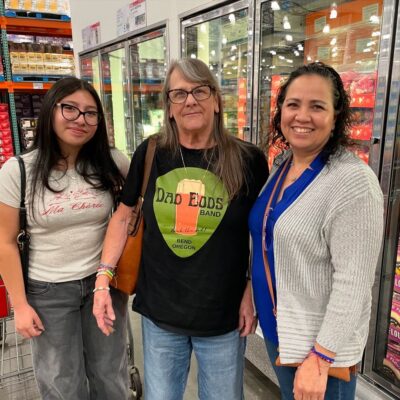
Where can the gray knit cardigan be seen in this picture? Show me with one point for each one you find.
(326, 249)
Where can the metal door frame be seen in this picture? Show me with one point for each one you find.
(386, 117)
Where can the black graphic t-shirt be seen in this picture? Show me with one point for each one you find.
(196, 243)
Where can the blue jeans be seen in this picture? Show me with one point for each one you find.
(336, 389)
(72, 358)
(167, 355)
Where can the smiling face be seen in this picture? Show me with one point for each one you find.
(192, 117)
(308, 115)
(72, 135)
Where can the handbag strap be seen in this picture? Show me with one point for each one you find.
(23, 237)
(148, 161)
(264, 228)
(22, 208)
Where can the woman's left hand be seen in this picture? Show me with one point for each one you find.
(247, 319)
(311, 379)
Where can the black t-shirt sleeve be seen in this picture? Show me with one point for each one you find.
(133, 183)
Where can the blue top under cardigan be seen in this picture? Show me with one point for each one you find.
(261, 293)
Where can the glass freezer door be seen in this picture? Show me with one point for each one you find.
(147, 73)
(344, 35)
(221, 39)
(115, 99)
(90, 70)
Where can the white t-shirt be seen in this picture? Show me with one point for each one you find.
(68, 230)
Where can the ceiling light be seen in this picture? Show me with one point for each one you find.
(289, 38)
(333, 13)
(286, 23)
(326, 29)
(275, 6)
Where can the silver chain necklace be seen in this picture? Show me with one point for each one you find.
(208, 165)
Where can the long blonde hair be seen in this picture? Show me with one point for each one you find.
(229, 166)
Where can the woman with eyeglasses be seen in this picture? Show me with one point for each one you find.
(192, 291)
(73, 179)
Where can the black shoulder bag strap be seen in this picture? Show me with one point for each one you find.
(23, 237)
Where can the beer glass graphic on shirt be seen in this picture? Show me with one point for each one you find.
(187, 211)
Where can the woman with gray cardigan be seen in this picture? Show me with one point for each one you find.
(317, 231)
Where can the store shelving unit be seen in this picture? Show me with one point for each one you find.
(58, 26)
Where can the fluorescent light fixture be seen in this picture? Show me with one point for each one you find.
(193, 56)
(296, 53)
(300, 47)
(333, 41)
(333, 13)
(289, 38)
(273, 52)
(213, 52)
(374, 19)
(232, 18)
(326, 29)
(275, 6)
(286, 23)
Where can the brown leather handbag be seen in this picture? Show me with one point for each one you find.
(126, 274)
(335, 372)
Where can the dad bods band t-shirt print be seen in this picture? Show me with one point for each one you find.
(189, 210)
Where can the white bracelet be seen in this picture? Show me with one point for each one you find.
(100, 288)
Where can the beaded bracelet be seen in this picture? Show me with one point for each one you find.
(100, 288)
(109, 274)
(322, 356)
(107, 266)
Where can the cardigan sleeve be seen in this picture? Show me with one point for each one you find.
(354, 235)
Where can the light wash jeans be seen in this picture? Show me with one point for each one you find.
(72, 358)
(336, 389)
(167, 355)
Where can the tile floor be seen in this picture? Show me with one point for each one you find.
(17, 382)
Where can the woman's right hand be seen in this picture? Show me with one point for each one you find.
(27, 322)
(102, 306)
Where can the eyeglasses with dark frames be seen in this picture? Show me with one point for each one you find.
(200, 93)
(72, 113)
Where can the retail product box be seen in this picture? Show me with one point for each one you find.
(4, 304)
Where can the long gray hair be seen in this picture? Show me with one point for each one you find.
(229, 166)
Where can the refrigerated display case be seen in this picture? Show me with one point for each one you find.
(129, 73)
(345, 35)
(382, 358)
(148, 66)
(90, 70)
(222, 38)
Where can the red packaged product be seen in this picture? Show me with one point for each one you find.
(5, 133)
(4, 306)
(4, 116)
(4, 107)
(5, 124)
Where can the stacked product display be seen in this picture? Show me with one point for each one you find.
(47, 59)
(36, 51)
(6, 142)
(42, 6)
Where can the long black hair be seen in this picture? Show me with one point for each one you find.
(94, 161)
(341, 103)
